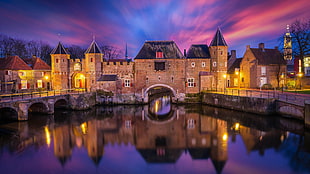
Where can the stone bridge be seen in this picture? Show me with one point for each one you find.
(19, 109)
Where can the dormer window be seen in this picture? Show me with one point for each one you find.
(159, 54)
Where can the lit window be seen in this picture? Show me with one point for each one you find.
(127, 83)
(193, 64)
(214, 64)
(21, 73)
(190, 82)
(39, 83)
(8, 72)
(77, 67)
(263, 69)
(203, 64)
(159, 54)
(23, 84)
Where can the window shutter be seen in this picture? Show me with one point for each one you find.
(19, 86)
(131, 85)
(43, 85)
(186, 84)
(28, 85)
(36, 85)
(123, 84)
(194, 84)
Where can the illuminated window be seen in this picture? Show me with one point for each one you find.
(190, 82)
(21, 73)
(39, 83)
(203, 64)
(23, 84)
(263, 69)
(214, 64)
(127, 83)
(77, 67)
(8, 72)
(159, 54)
(193, 64)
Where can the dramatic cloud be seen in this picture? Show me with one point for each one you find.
(134, 21)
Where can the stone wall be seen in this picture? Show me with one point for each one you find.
(247, 104)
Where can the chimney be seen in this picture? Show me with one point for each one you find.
(233, 54)
(276, 48)
(184, 52)
(248, 47)
(261, 46)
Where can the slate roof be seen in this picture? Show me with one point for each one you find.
(37, 64)
(93, 48)
(108, 77)
(169, 49)
(13, 63)
(59, 49)
(198, 51)
(268, 56)
(235, 64)
(218, 39)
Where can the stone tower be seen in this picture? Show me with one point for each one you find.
(60, 68)
(92, 65)
(287, 47)
(218, 51)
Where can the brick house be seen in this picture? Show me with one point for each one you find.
(18, 75)
(261, 66)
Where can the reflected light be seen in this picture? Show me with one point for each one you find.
(156, 106)
(225, 137)
(47, 136)
(84, 127)
(237, 126)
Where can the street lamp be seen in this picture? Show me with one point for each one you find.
(300, 74)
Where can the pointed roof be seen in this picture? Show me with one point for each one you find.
(218, 39)
(169, 49)
(93, 48)
(59, 49)
(198, 51)
(37, 64)
(13, 63)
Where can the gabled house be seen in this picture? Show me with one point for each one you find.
(18, 75)
(262, 67)
(233, 71)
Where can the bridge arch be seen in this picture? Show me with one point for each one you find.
(147, 90)
(61, 103)
(38, 107)
(8, 114)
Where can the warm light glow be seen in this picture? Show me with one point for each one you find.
(237, 126)
(237, 72)
(224, 76)
(46, 77)
(84, 127)
(300, 74)
(156, 106)
(225, 137)
(47, 136)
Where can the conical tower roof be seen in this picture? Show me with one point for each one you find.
(59, 49)
(218, 39)
(93, 48)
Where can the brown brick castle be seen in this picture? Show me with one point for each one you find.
(158, 67)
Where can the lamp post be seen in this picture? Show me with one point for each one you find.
(300, 76)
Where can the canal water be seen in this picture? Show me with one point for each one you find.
(159, 138)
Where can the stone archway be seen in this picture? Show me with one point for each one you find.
(78, 81)
(8, 114)
(38, 108)
(147, 90)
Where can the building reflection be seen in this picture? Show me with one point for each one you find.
(204, 135)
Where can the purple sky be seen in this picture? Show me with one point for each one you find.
(117, 22)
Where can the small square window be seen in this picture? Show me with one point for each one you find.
(127, 83)
(190, 82)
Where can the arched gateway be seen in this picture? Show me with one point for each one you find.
(157, 89)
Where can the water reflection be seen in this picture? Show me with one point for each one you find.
(160, 107)
(119, 140)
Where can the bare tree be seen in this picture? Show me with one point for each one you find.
(111, 52)
(76, 51)
(300, 31)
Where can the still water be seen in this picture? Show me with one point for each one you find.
(160, 138)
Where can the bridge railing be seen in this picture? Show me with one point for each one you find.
(36, 94)
(298, 99)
